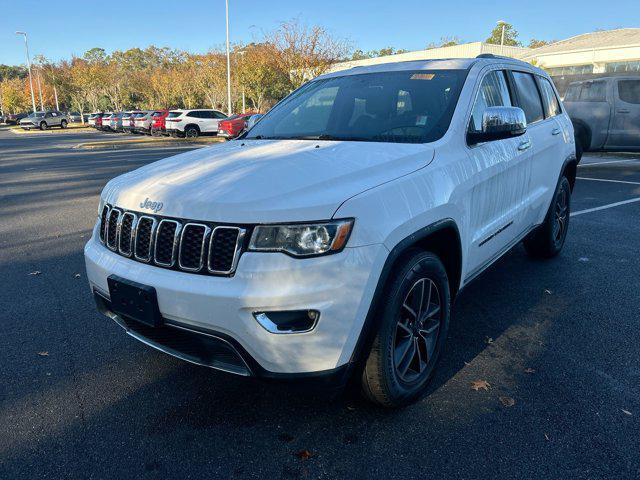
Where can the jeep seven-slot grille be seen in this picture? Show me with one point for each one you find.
(172, 243)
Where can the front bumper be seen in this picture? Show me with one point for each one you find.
(339, 286)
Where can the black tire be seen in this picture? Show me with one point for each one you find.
(547, 240)
(43, 125)
(191, 132)
(403, 329)
(63, 124)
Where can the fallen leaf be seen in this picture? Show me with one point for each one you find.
(488, 340)
(583, 259)
(351, 408)
(626, 412)
(507, 401)
(304, 454)
(547, 291)
(43, 354)
(480, 385)
(529, 370)
(77, 275)
(547, 437)
(37, 272)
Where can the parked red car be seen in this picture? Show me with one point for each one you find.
(158, 122)
(233, 126)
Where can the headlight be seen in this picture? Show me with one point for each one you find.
(302, 240)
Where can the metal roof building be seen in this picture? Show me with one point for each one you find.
(465, 50)
(607, 51)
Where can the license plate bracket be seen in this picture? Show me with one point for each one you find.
(134, 300)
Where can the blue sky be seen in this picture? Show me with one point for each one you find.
(60, 29)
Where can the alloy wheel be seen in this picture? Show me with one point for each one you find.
(417, 331)
(561, 213)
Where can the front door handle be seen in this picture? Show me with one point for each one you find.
(623, 110)
(556, 131)
(524, 145)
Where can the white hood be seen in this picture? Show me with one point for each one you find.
(261, 181)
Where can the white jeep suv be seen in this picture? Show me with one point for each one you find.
(329, 241)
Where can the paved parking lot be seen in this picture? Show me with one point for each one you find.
(80, 399)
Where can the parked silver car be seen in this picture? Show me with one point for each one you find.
(45, 120)
(605, 113)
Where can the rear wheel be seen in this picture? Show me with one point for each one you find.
(414, 319)
(63, 124)
(191, 132)
(43, 125)
(548, 239)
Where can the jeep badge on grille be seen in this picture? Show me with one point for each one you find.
(149, 205)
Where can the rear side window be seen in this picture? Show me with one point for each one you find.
(174, 114)
(587, 92)
(551, 103)
(493, 93)
(528, 96)
(195, 115)
(629, 91)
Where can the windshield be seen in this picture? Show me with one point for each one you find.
(401, 107)
(37, 115)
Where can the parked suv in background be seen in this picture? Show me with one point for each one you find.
(45, 120)
(331, 239)
(158, 124)
(192, 123)
(93, 118)
(142, 122)
(605, 113)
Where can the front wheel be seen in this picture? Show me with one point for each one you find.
(547, 240)
(43, 125)
(63, 124)
(414, 319)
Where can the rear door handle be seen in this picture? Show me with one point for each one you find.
(556, 131)
(623, 110)
(524, 145)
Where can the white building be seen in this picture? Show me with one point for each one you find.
(465, 50)
(609, 51)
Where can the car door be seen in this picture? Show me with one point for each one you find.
(625, 123)
(497, 210)
(546, 141)
(55, 119)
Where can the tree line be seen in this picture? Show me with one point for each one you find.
(263, 72)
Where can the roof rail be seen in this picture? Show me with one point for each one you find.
(491, 55)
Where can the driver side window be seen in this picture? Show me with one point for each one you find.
(493, 93)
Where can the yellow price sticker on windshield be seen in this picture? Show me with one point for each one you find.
(423, 76)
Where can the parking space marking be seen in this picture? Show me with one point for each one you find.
(607, 163)
(608, 180)
(604, 207)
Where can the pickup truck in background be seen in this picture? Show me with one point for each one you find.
(605, 113)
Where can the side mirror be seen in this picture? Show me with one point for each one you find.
(253, 119)
(499, 123)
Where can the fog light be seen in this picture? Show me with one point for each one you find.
(292, 321)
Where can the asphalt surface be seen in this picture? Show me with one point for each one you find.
(80, 399)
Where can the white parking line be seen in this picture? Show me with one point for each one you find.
(604, 207)
(606, 163)
(608, 180)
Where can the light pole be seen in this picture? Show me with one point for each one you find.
(39, 86)
(504, 24)
(26, 46)
(228, 63)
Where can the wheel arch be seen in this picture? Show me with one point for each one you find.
(570, 170)
(189, 125)
(441, 238)
(583, 132)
